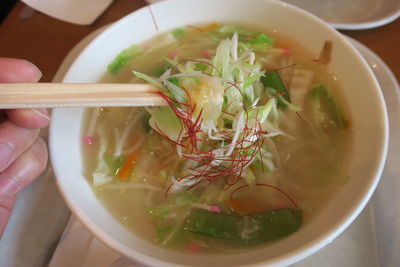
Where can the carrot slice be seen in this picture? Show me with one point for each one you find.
(210, 27)
(127, 167)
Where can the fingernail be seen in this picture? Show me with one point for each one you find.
(42, 112)
(6, 154)
(8, 187)
(36, 72)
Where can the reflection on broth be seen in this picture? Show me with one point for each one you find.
(251, 146)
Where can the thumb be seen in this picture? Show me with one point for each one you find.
(18, 70)
(23, 171)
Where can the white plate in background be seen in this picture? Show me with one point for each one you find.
(83, 12)
(385, 213)
(352, 14)
(349, 14)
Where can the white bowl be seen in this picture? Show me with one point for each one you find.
(360, 89)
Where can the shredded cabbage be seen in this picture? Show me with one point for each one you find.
(218, 99)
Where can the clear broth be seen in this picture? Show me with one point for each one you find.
(311, 170)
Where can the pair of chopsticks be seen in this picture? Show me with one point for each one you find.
(51, 95)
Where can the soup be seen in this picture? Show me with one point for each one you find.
(251, 144)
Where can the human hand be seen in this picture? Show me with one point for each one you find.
(23, 154)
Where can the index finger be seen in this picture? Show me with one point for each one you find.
(29, 118)
(18, 70)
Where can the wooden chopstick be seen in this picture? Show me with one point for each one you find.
(51, 95)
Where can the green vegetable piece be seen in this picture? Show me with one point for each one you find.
(164, 120)
(145, 122)
(147, 78)
(174, 80)
(323, 97)
(216, 225)
(114, 163)
(273, 83)
(252, 79)
(277, 224)
(225, 103)
(262, 112)
(251, 229)
(179, 33)
(161, 70)
(176, 91)
(162, 231)
(159, 213)
(261, 39)
(201, 66)
(123, 58)
(247, 101)
(257, 164)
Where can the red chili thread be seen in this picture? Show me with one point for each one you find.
(282, 68)
(270, 186)
(195, 27)
(246, 149)
(306, 122)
